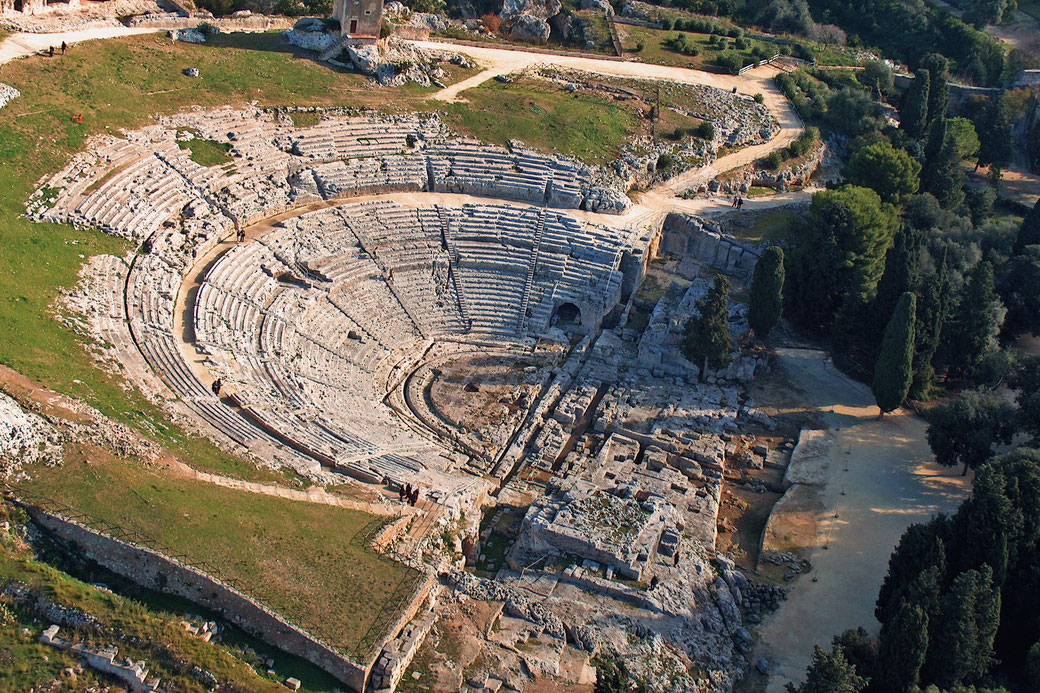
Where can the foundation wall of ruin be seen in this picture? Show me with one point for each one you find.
(690, 236)
(155, 571)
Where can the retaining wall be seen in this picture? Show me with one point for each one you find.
(156, 571)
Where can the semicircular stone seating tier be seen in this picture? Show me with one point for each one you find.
(305, 323)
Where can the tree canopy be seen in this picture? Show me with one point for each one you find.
(767, 286)
(706, 338)
(893, 371)
(891, 173)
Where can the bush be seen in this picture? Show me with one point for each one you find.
(742, 43)
(731, 61)
(385, 29)
(667, 24)
(759, 98)
(664, 162)
(492, 22)
(706, 130)
(640, 46)
(774, 160)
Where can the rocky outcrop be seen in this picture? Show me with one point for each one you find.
(781, 180)
(528, 20)
(365, 57)
(601, 5)
(24, 437)
(8, 94)
(310, 40)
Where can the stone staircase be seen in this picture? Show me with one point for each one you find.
(333, 50)
(529, 280)
(453, 269)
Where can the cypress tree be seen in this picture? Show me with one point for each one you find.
(942, 175)
(938, 85)
(976, 322)
(937, 135)
(893, 370)
(932, 306)
(1029, 232)
(914, 117)
(830, 672)
(901, 275)
(706, 339)
(767, 286)
(902, 646)
(994, 131)
(961, 639)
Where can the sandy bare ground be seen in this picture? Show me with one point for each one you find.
(21, 45)
(881, 478)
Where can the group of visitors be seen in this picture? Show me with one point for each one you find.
(408, 494)
(64, 47)
(738, 202)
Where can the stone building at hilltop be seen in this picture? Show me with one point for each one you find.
(359, 19)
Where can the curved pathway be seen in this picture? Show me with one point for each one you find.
(20, 45)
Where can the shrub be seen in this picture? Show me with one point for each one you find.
(664, 162)
(731, 61)
(742, 43)
(774, 160)
(759, 98)
(492, 22)
(706, 130)
(640, 46)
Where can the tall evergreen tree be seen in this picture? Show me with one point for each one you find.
(938, 85)
(830, 672)
(933, 298)
(902, 645)
(916, 569)
(901, 275)
(1019, 289)
(961, 639)
(1025, 378)
(706, 338)
(1029, 232)
(942, 175)
(972, 332)
(767, 286)
(937, 136)
(892, 373)
(914, 117)
(994, 130)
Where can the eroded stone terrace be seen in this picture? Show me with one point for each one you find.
(330, 320)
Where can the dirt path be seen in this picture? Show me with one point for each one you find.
(20, 45)
(890, 483)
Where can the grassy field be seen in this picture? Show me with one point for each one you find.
(206, 152)
(657, 50)
(772, 226)
(530, 110)
(308, 562)
(142, 628)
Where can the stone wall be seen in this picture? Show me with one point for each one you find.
(781, 180)
(684, 235)
(155, 571)
(397, 654)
